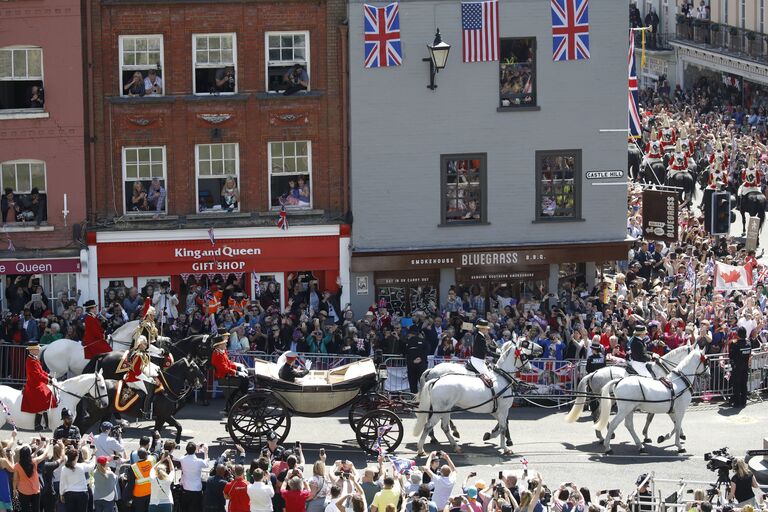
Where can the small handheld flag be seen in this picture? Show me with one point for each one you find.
(282, 219)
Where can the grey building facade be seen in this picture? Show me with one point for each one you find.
(487, 182)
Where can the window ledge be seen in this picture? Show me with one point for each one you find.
(550, 221)
(240, 96)
(26, 228)
(141, 99)
(23, 114)
(293, 213)
(148, 217)
(280, 96)
(211, 214)
(463, 224)
(533, 108)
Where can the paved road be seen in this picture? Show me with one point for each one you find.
(562, 452)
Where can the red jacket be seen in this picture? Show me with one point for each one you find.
(37, 396)
(137, 367)
(94, 341)
(222, 365)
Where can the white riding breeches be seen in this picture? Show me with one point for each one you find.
(744, 190)
(480, 366)
(640, 368)
(139, 385)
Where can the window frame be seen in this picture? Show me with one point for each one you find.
(295, 173)
(26, 78)
(198, 178)
(535, 95)
(234, 63)
(29, 161)
(577, 184)
(124, 166)
(307, 57)
(120, 47)
(444, 158)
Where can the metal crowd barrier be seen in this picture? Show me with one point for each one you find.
(550, 377)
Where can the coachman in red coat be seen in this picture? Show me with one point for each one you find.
(233, 382)
(94, 339)
(36, 397)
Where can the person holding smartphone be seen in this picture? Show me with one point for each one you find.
(191, 477)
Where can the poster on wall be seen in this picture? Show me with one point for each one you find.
(361, 285)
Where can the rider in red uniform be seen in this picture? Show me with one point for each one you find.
(231, 377)
(36, 397)
(94, 340)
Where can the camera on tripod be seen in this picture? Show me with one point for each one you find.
(719, 460)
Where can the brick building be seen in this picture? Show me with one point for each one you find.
(42, 153)
(193, 130)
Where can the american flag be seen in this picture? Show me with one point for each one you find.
(570, 29)
(480, 31)
(382, 36)
(282, 219)
(635, 129)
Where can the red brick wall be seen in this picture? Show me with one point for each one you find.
(253, 121)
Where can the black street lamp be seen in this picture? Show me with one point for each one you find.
(438, 56)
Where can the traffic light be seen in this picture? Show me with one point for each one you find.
(721, 213)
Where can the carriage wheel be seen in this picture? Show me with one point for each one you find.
(253, 416)
(360, 408)
(379, 428)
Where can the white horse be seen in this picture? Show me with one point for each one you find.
(66, 357)
(595, 382)
(652, 396)
(90, 386)
(469, 393)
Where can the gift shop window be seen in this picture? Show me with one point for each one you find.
(218, 177)
(290, 171)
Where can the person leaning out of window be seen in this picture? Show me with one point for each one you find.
(296, 80)
(136, 86)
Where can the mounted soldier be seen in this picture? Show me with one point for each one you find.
(37, 397)
(146, 327)
(717, 179)
(94, 338)
(679, 161)
(719, 155)
(668, 136)
(751, 179)
(137, 376)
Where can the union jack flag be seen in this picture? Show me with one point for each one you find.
(570, 29)
(635, 128)
(382, 36)
(282, 219)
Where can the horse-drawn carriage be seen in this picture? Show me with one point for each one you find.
(272, 402)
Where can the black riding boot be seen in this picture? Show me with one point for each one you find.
(38, 422)
(45, 418)
(147, 408)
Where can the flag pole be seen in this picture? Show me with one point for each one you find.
(642, 31)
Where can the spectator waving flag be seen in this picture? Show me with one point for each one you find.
(635, 130)
(480, 31)
(282, 219)
(570, 29)
(729, 277)
(382, 36)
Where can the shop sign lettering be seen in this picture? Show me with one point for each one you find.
(228, 251)
(218, 266)
(41, 266)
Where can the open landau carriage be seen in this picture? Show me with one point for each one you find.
(272, 401)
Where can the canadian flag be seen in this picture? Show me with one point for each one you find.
(729, 277)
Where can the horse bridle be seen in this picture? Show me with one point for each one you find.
(667, 365)
(87, 395)
(185, 389)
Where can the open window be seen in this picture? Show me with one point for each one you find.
(218, 177)
(284, 50)
(144, 180)
(21, 79)
(517, 72)
(24, 191)
(141, 66)
(214, 58)
(463, 183)
(558, 185)
(290, 170)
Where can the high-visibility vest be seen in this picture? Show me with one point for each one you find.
(141, 470)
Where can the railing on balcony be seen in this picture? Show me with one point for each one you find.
(655, 42)
(743, 43)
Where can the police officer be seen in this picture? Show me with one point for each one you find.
(67, 432)
(416, 352)
(595, 361)
(739, 354)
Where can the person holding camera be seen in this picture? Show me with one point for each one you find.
(225, 79)
(444, 480)
(165, 301)
(296, 80)
(192, 468)
(295, 491)
(108, 444)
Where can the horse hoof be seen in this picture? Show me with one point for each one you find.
(456, 434)
(660, 439)
(458, 449)
(682, 436)
(647, 440)
(421, 453)
(642, 450)
(486, 436)
(509, 443)
(608, 452)
(508, 451)
(681, 450)
(433, 440)
(613, 436)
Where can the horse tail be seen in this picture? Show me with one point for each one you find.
(425, 398)
(605, 405)
(581, 399)
(423, 379)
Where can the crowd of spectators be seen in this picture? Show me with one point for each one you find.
(73, 473)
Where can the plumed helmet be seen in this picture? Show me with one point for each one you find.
(147, 309)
